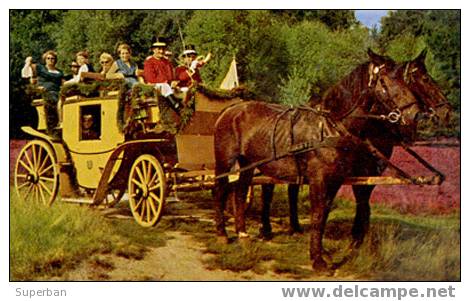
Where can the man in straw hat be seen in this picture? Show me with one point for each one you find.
(158, 71)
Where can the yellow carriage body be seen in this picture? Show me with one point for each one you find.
(89, 156)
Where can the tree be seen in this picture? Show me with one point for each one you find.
(318, 58)
(437, 30)
(401, 22)
(250, 36)
(334, 19)
(30, 35)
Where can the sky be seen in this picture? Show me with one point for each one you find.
(370, 17)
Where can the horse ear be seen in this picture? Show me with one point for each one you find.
(376, 58)
(422, 56)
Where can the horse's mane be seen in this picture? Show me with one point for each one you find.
(347, 92)
(221, 94)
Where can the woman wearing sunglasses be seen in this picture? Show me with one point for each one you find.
(106, 61)
(49, 79)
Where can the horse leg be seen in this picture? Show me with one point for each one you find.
(221, 192)
(361, 220)
(241, 191)
(267, 195)
(318, 204)
(293, 192)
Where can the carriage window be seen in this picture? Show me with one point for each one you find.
(90, 122)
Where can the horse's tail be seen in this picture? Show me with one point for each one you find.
(227, 138)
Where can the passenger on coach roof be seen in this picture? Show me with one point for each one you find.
(124, 67)
(158, 71)
(188, 72)
(49, 78)
(106, 61)
(85, 66)
(73, 69)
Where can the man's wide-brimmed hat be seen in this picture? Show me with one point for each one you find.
(189, 49)
(159, 42)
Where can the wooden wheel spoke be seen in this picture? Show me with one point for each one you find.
(42, 195)
(29, 161)
(28, 168)
(142, 209)
(152, 205)
(137, 205)
(45, 188)
(27, 194)
(149, 172)
(144, 171)
(43, 163)
(39, 158)
(148, 209)
(156, 198)
(138, 183)
(23, 185)
(155, 187)
(33, 154)
(47, 179)
(36, 193)
(22, 176)
(139, 173)
(46, 170)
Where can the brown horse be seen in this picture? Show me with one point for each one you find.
(431, 100)
(254, 131)
(426, 90)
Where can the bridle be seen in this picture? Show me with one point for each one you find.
(395, 111)
(430, 107)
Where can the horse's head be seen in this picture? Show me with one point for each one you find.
(393, 99)
(434, 103)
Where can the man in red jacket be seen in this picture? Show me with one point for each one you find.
(188, 72)
(159, 72)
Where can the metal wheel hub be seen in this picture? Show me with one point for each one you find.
(33, 178)
(145, 191)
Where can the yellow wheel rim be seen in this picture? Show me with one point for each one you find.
(146, 189)
(37, 173)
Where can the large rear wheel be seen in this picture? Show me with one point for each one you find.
(37, 173)
(147, 190)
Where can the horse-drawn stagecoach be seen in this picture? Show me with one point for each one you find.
(140, 157)
(149, 163)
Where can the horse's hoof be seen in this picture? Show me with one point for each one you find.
(265, 235)
(319, 265)
(354, 245)
(296, 230)
(243, 235)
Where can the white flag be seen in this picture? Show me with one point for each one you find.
(231, 78)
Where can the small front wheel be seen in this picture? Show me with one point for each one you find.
(147, 190)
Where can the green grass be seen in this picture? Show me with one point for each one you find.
(398, 246)
(45, 242)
